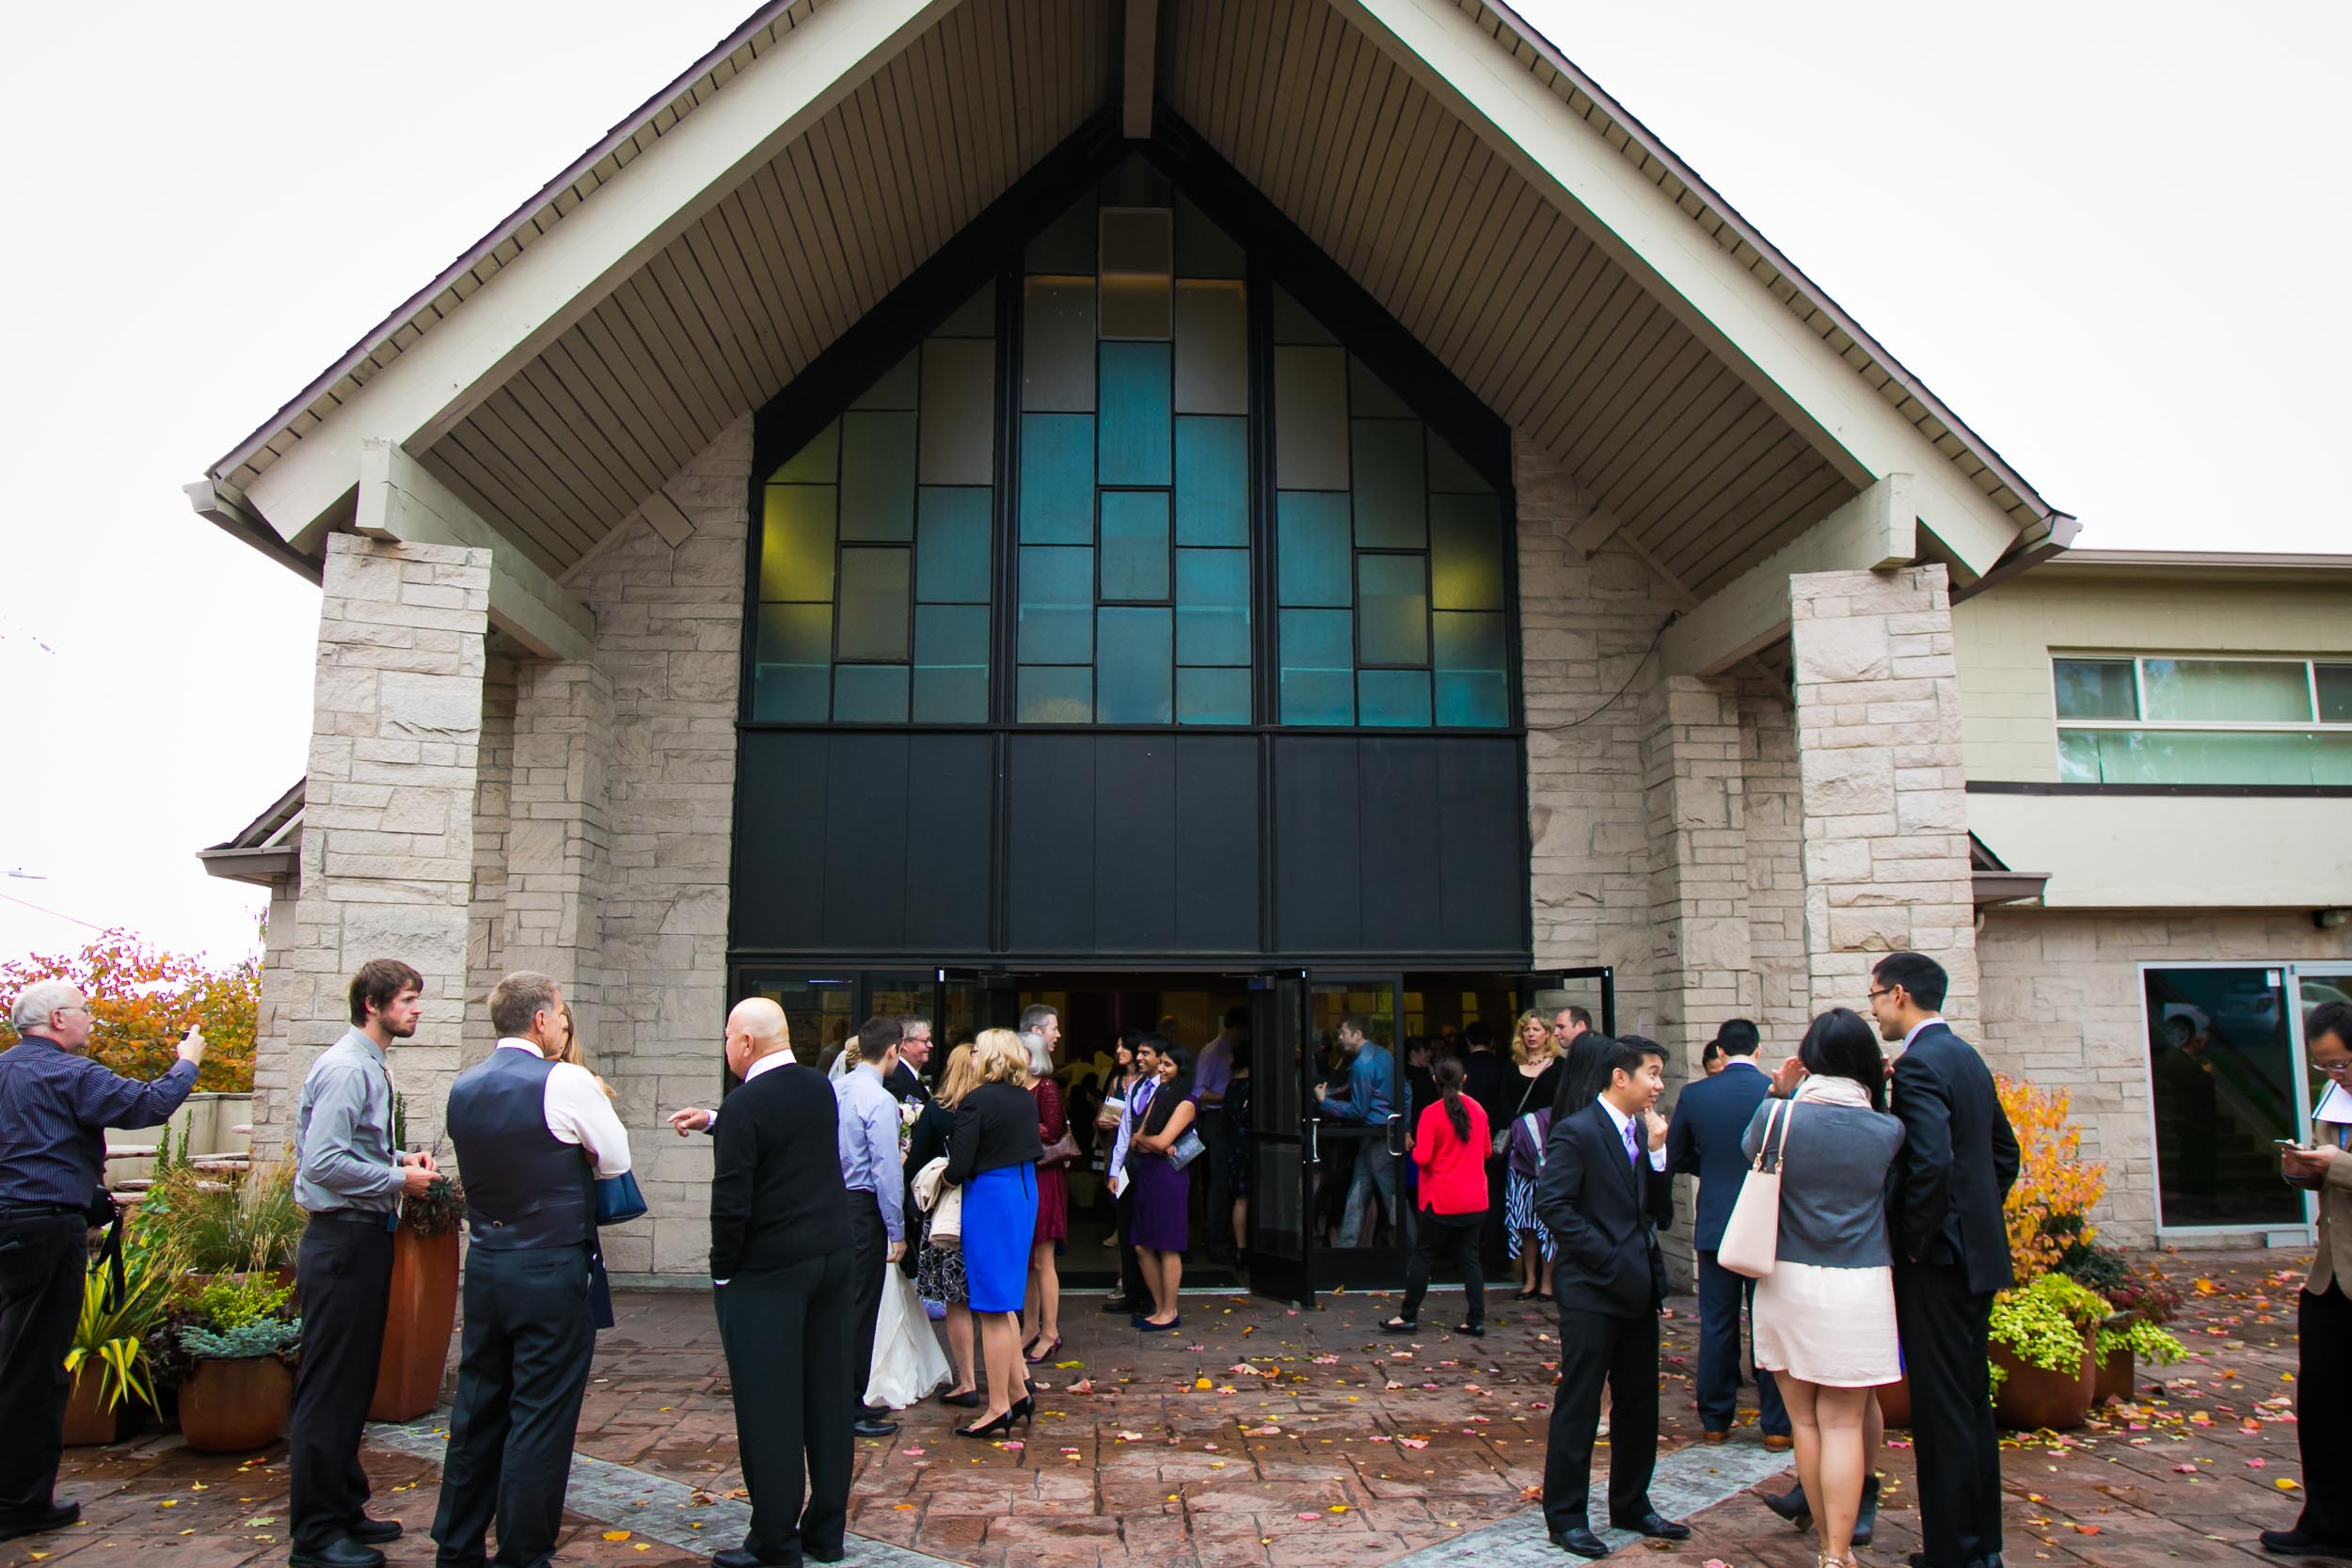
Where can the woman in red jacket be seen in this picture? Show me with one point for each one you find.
(1450, 1148)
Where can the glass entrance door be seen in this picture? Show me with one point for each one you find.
(1282, 1143)
(1356, 1103)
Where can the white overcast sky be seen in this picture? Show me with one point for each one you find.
(2110, 236)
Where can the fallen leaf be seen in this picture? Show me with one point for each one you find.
(616, 1535)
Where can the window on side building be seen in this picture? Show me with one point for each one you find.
(2152, 720)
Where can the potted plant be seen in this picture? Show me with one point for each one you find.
(224, 1228)
(238, 1384)
(422, 1310)
(109, 1358)
(2140, 1303)
(2043, 1367)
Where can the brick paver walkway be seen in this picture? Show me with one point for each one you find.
(1315, 1440)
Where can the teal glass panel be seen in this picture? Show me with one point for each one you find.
(1212, 696)
(1310, 418)
(1449, 473)
(1213, 607)
(1203, 249)
(1293, 324)
(1133, 669)
(1212, 480)
(2095, 689)
(2078, 756)
(2335, 693)
(1135, 433)
(895, 390)
(1050, 694)
(796, 542)
(878, 477)
(2194, 757)
(1135, 545)
(817, 463)
(1465, 552)
(2331, 759)
(1472, 700)
(1392, 604)
(975, 318)
(873, 606)
(1393, 697)
(959, 411)
(1067, 245)
(1212, 349)
(1468, 642)
(1370, 398)
(1057, 478)
(1137, 252)
(1134, 182)
(869, 694)
(951, 546)
(1057, 344)
(1312, 563)
(793, 658)
(1391, 502)
(1318, 652)
(2206, 689)
(1056, 606)
(950, 664)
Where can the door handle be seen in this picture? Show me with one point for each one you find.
(1314, 1153)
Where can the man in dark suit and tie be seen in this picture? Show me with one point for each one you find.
(1951, 1254)
(1711, 1118)
(782, 1270)
(1603, 1193)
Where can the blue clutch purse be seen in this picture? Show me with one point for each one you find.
(619, 1200)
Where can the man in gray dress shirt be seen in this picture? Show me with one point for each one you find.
(350, 1179)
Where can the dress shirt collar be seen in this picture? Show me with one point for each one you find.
(872, 1070)
(773, 1058)
(1748, 1062)
(511, 1043)
(1928, 1023)
(1616, 1115)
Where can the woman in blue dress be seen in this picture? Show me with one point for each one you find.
(993, 1155)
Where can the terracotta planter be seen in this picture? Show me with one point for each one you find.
(87, 1422)
(417, 1327)
(1895, 1403)
(236, 1407)
(2031, 1398)
(2118, 1376)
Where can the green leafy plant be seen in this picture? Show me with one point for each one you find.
(231, 1304)
(2144, 1340)
(114, 1338)
(262, 1336)
(2046, 1323)
(440, 1211)
(224, 1227)
(233, 1319)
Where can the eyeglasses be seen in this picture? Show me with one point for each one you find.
(2333, 1070)
(1885, 990)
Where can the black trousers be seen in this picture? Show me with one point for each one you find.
(344, 1272)
(1944, 1326)
(42, 1261)
(2323, 1392)
(787, 1336)
(1596, 1348)
(869, 1245)
(1722, 1296)
(521, 1371)
(1216, 1138)
(1131, 1283)
(1493, 1244)
(1453, 1239)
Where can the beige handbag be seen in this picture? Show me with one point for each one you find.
(1750, 1243)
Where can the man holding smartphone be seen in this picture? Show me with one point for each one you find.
(2323, 1320)
(55, 1104)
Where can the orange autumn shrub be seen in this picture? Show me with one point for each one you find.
(2049, 1207)
(142, 999)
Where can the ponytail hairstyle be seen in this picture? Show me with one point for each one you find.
(1448, 1074)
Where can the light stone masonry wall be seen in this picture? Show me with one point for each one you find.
(2062, 1006)
(1781, 999)
(1879, 769)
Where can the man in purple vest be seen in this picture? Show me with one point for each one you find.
(533, 1136)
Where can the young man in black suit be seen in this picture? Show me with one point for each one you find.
(1951, 1254)
(1711, 1118)
(782, 1267)
(1603, 1193)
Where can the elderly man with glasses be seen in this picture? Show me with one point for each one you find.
(55, 1104)
(2323, 1318)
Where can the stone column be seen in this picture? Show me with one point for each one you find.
(558, 848)
(1880, 778)
(388, 817)
(1694, 788)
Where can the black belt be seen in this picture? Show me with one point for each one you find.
(42, 1210)
(376, 1217)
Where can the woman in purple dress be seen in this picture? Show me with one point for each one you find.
(1162, 1225)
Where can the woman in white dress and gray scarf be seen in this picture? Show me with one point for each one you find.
(1824, 1318)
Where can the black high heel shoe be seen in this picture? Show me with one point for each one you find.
(1024, 1410)
(988, 1429)
(968, 1400)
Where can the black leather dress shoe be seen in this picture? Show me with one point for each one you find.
(341, 1552)
(1656, 1525)
(1581, 1541)
(2294, 1543)
(831, 1554)
(59, 1516)
(372, 1532)
(1121, 1303)
(867, 1426)
(744, 1557)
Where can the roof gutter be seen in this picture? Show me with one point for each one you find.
(2043, 541)
(224, 506)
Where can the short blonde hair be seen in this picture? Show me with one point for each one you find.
(1519, 1037)
(571, 1051)
(1002, 1058)
(960, 1077)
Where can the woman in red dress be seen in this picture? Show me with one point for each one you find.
(1053, 1188)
